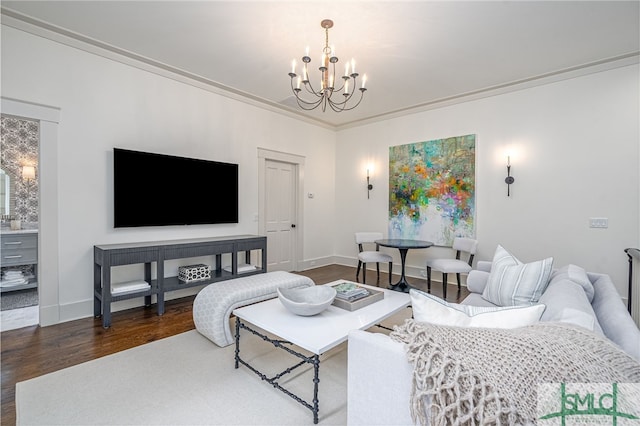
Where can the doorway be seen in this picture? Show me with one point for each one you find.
(19, 222)
(280, 208)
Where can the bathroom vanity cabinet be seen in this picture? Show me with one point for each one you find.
(19, 248)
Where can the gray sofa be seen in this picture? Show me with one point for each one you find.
(379, 376)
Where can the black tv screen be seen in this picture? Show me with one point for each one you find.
(160, 190)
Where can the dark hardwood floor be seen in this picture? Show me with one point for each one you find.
(33, 351)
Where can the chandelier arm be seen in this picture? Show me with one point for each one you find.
(315, 103)
(337, 106)
(341, 105)
(309, 87)
(359, 100)
(344, 103)
(308, 106)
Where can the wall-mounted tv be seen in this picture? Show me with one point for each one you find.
(160, 190)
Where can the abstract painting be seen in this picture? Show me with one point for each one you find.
(432, 190)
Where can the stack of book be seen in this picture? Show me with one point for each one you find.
(351, 296)
(350, 292)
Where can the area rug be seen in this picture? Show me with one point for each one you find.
(184, 379)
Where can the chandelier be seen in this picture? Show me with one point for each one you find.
(327, 93)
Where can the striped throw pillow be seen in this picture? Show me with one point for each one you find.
(513, 283)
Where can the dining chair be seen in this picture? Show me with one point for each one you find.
(453, 266)
(367, 240)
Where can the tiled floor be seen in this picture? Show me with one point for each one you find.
(18, 318)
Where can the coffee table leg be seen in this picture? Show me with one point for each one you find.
(237, 341)
(316, 380)
(281, 344)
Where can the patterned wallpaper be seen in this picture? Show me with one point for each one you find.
(19, 147)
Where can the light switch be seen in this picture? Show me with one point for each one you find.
(598, 222)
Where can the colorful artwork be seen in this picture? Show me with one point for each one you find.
(432, 190)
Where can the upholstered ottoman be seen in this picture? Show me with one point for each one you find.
(214, 303)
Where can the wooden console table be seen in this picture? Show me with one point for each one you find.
(109, 255)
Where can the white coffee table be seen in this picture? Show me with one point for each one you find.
(316, 334)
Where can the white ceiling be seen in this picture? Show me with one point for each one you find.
(416, 54)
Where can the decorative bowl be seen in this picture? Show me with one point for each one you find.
(307, 301)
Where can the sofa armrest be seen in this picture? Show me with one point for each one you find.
(477, 281)
(612, 315)
(378, 381)
(483, 265)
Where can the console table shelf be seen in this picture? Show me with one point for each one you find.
(109, 255)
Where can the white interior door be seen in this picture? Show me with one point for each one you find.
(280, 215)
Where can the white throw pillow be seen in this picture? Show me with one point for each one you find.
(513, 283)
(432, 309)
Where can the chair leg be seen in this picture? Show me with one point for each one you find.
(358, 270)
(364, 273)
(458, 277)
(444, 285)
(390, 271)
(378, 270)
(428, 279)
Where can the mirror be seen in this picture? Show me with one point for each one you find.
(7, 193)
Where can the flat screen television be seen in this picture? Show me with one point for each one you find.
(161, 190)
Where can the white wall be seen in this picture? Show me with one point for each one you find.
(106, 104)
(575, 147)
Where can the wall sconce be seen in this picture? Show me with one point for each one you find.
(28, 173)
(369, 185)
(509, 179)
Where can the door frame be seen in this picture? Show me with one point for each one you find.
(48, 244)
(298, 161)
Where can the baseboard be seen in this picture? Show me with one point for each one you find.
(75, 310)
(49, 315)
(318, 262)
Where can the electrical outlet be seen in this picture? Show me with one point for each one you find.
(598, 222)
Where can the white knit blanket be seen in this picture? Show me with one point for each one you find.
(490, 376)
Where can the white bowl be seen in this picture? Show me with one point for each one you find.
(307, 301)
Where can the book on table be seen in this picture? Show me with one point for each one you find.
(351, 297)
(350, 291)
